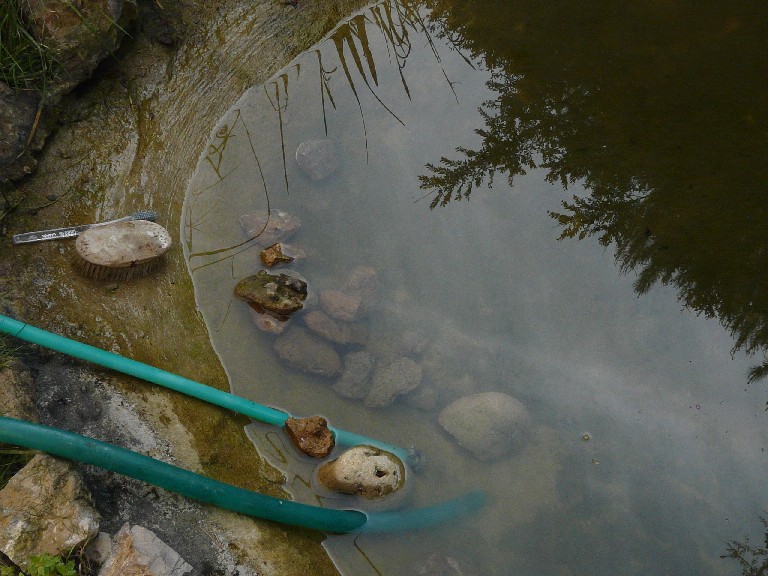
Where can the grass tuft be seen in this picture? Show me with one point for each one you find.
(25, 63)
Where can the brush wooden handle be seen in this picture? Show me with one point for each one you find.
(73, 231)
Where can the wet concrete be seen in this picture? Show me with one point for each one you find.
(129, 141)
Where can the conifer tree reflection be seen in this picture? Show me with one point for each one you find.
(659, 110)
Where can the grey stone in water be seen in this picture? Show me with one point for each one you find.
(45, 509)
(400, 377)
(137, 551)
(278, 294)
(269, 227)
(423, 398)
(355, 381)
(336, 331)
(345, 306)
(488, 424)
(317, 158)
(308, 353)
(269, 323)
(365, 471)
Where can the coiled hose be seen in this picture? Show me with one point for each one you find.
(82, 449)
(186, 386)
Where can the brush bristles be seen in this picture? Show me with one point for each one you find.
(99, 272)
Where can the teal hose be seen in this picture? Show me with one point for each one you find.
(76, 447)
(79, 448)
(186, 386)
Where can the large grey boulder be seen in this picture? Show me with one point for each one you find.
(393, 380)
(488, 424)
(137, 551)
(45, 508)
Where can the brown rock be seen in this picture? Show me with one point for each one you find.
(280, 295)
(311, 435)
(274, 255)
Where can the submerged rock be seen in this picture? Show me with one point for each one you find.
(269, 323)
(363, 281)
(365, 471)
(346, 306)
(280, 295)
(308, 353)
(336, 331)
(400, 377)
(355, 381)
(311, 435)
(488, 424)
(269, 227)
(137, 551)
(317, 158)
(45, 509)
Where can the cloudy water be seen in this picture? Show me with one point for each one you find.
(611, 279)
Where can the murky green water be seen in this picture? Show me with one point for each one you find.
(647, 452)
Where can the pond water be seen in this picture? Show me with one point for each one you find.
(611, 279)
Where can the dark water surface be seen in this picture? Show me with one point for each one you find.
(612, 278)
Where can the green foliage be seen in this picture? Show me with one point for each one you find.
(43, 565)
(752, 559)
(25, 63)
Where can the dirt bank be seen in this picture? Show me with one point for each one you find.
(130, 139)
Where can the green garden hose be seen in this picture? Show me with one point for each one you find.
(180, 384)
(82, 449)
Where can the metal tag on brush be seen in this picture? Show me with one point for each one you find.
(73, 231)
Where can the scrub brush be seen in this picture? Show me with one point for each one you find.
(73, 231)
(121, 251)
